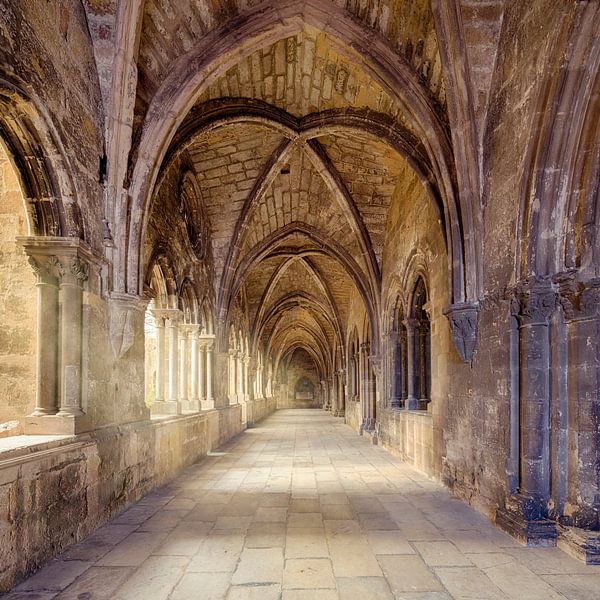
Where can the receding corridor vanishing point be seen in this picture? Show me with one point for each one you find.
(385, 213)
(301, 508)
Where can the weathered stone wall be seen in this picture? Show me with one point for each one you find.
(415, 246)
(301, 366)
(17, 307)
(46, 46)
(409, 435)
(476, 426)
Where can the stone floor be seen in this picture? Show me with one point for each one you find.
(302, 508)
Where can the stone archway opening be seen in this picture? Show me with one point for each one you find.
(17, 306)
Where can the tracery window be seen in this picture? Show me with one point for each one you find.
(422, 345)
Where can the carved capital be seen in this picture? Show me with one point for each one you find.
(464, 318)
(46, 268)
(580, 300)
(534, 301)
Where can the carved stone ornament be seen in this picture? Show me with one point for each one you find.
(123, 311)
(79, 269)
(535, 301)
(45, 267)
(580, 300)
(464, 318)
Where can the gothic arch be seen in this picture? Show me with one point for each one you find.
(258, 29)
(40, 161)
(561, 175)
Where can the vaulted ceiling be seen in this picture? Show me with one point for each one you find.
(297, 152)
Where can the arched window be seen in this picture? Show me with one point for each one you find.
(400, 382)
(422, 345)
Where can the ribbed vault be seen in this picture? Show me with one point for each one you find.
(298, 148)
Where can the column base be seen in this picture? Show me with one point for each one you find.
(580, 543)
(412, 404)
(165, 407)
(522, 519)
(368, 424)
(207, 404)
(339, 413)
(190, 405)
(56, 424)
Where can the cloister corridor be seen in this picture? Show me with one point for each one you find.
(300, 507)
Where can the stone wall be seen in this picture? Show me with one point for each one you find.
(17, 307)
(56, 493)
(301, 366)
(45, 49)
(409, 435)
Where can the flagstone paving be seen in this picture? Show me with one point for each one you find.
(302, 508)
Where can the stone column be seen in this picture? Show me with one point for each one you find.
(375, 377)
(364, 395)
(168, 368)
(209, 402)
(395, 370)
(173, 388)
(526, 513)
(333, 393)
(46, 394)
(354, 377)
(202, 372)
(246, 377)
(160, 356)
(73, 273)
(230, 376)
(239, 366)
(183, 365)
(194, 400)
(412, 402)
(341, 406)
(62, 266)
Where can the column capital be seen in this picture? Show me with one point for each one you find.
(46, 268)
(580, 300)
(73, 268)
(75, 257)
(207, 340)
(189, 329)
(534, 300)
(174, 315)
